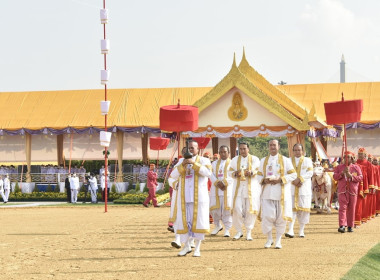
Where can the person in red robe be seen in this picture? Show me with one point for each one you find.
(375, 162)
(371, 192)
(361, 213)
(151, 184)
(349, 177)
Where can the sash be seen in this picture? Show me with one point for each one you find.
(217, 205)
(249, 184)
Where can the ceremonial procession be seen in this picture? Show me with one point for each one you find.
(198, 140)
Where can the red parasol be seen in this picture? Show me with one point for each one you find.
(343, 112)
(157, 144)
(202, 142)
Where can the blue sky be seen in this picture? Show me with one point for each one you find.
(55, 44)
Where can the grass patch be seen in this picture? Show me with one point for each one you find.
(368, 267)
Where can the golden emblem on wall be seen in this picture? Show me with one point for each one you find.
(237, 111)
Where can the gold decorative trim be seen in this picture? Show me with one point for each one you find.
(235, 78)
(296, 189)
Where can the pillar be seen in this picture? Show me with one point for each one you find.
(233, 145)
(120, 141)
(60, 149)
(28, 153)
(215, 145)
(144, 145)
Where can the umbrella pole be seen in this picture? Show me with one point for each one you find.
(345, 145)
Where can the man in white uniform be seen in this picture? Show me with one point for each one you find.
(7, 187)
(301, 191)
(74, 186)
(2, 189)
(93, 188)
(246, 191)
(221, 192)
(276, 173)
(192, 213)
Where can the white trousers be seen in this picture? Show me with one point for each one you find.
(74, 195)
(189, 220)
(93, 195)
(222, 214)
(242, 216)
(271, 216)
(6, 193)
(3, 196)
(304, 201)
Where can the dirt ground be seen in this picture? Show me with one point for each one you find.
(131, 242)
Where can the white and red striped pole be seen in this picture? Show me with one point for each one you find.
(105, 137)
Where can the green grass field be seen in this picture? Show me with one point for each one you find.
(367, 268)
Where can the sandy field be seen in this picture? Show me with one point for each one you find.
(132, 242)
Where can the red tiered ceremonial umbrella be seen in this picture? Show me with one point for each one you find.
(202, 142)
(178, 118)
(342, 112)
(157, 144)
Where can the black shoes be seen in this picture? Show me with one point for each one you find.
(349, 229)
(342, 229)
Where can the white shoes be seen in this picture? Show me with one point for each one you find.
(238, 236)
(268, 244)
(197, 251)
(192, 244)
(176, 245)
(249, 235)
(302, 234)
(216, 230)
(186, 250)
(227, 233)
(278, 245)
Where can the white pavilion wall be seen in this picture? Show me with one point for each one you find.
(87, 147)
(44, 148)
(12, 148)
(369, 139)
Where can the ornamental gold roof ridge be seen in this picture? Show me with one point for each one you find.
(235, 78)
(248, 71)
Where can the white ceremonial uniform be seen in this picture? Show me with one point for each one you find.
(301, 197)
(7, 188)
(74, 186)
(93, 188)
(2, 190)
(103, 182)
(221, 201)
(276, 200)
(246, 194)
(191, 210)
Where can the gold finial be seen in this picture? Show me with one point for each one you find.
(243, 58)
(234, 62)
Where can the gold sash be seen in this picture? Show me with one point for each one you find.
(217, 205)
(249, 184)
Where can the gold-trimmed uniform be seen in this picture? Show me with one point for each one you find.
(246, 194)
(191, 210)
(221, 201)
(276, 199)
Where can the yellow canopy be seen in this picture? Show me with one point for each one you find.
(81, 108)
(318, 94)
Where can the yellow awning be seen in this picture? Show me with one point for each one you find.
(318, 94)
(81, 108)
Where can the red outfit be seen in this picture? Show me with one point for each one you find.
(152, 184)
(347, 193)
(377, 195)
(362, 203)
